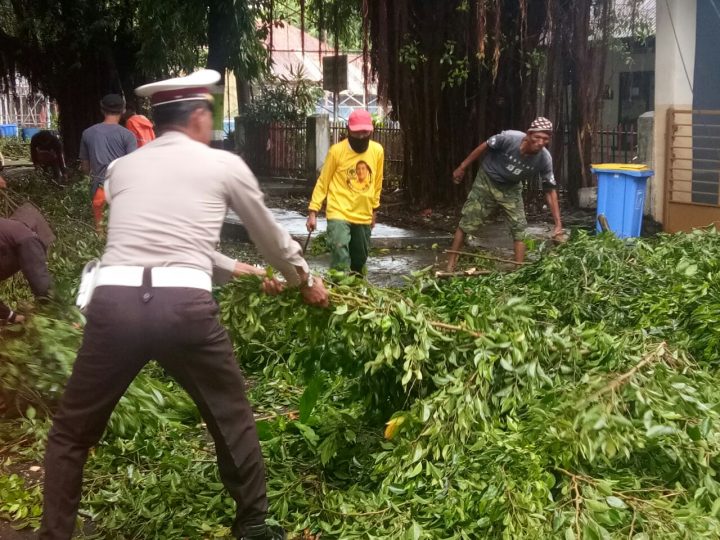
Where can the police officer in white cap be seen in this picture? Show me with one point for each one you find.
(152, 301)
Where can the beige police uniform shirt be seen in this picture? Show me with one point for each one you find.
(168, 201)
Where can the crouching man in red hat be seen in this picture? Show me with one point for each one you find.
(153, 300)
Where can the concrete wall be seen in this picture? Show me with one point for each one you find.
(674, 55)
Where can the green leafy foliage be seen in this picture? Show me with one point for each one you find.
(13, 148)
(319, 244)
(331, 21)
(17, 502)
(284, 98)
(77, 53)
(574, 398)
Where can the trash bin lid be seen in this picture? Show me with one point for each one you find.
(620, 166)
(631, 169)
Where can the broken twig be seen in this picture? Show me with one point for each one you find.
(483, 256)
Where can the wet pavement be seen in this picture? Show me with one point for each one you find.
(383, 236)
(392, 267)
(398, 252)
(389, 267)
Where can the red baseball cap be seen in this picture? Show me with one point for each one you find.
(360, 120)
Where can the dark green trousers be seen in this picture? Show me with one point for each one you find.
(349, 245)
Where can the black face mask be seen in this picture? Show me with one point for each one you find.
(359, 145)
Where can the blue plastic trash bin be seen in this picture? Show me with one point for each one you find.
(28, 132)
(8, 130)
(621, 197)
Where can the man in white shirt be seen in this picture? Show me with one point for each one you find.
(153, 301)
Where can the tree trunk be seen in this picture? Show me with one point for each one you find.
(79, 103)
(447, 98)
(458, 71)
(219, 14)
(586, 77)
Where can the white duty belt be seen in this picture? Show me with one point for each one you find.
(160, 276)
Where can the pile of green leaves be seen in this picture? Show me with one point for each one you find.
(319, 244)
(155, 433)
(17, 502)
(13, 148)
(68, 211)
(574, 398)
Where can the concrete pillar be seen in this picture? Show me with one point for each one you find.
(674, 69)
(646, 155)
(317, 144)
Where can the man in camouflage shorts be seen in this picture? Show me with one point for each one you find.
(509, 158)
(485, 197)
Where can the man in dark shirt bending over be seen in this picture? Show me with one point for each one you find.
(24, 241)
(509, 158)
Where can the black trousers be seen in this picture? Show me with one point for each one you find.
(126, 328)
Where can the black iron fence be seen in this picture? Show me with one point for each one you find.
(275, 150)
(279, 150)
(615, 144)
(609, 144)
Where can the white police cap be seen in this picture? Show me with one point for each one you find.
(195, 86)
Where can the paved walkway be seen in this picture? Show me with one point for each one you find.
(383, 236)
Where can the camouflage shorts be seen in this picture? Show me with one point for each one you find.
(485, 197)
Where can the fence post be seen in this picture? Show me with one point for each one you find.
(239, 135)
(318, 144)
(645, 142)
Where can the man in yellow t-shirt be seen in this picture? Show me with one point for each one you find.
(351, 181)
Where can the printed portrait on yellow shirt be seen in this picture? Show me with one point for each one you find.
(359, 177)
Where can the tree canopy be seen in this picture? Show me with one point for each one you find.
(453, 71)
(76, 51)
(456, 71)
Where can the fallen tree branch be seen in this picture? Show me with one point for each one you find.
(463, 273)
(9, 203)
(578, 499)
(626, 495)
(454, 328)
(483, 256)
(654, 356)
(292, 415)
(362, 302)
